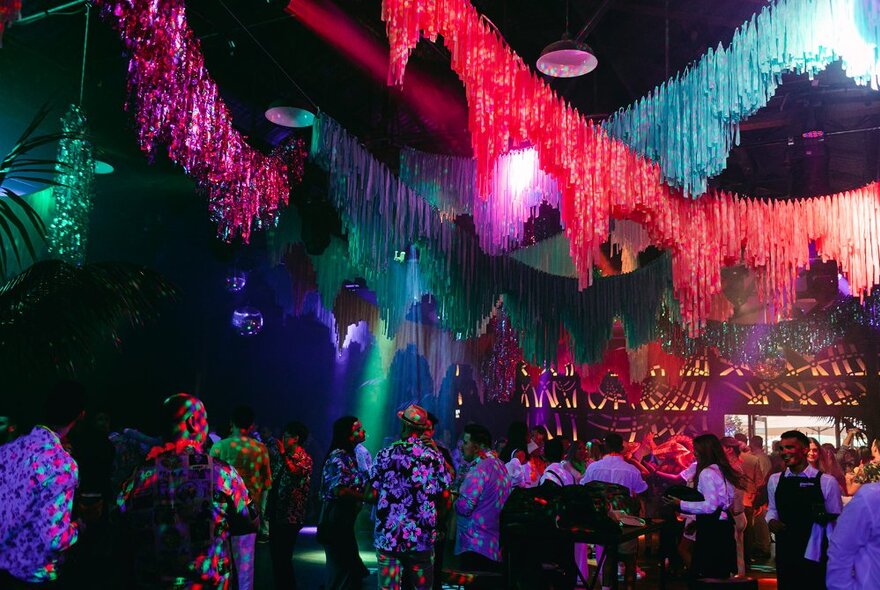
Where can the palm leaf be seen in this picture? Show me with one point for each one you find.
(18, 224)
(59, 316)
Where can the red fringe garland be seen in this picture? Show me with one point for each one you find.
(600, 177)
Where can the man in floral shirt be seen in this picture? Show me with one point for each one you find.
(483, 493)
(407, 478)
(181, 507)
(38, 478)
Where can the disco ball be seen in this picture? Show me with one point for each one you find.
(771, 368)
(235, 281)
(248, 321)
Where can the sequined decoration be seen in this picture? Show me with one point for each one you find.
(753, 344)
(69, 229)
(500, 366)
(177, 104)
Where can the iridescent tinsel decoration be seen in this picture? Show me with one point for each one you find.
(177, 104)
(499, 367)
(69, 230)
(760, 345)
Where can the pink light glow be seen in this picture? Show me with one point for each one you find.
(433, 104)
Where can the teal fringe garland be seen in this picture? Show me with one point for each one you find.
(689, 124)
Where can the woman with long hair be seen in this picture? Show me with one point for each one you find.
(342, 493)
(715, 546)
(823, 460)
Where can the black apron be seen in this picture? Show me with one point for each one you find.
(714, 547)
(798, 501)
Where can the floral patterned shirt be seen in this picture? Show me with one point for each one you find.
(37, 481)
(292, 475)
(483, 494)
(868, 473)
(407, 476)
(340, 471)
(180, 509)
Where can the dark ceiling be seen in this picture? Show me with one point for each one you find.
(258, 53)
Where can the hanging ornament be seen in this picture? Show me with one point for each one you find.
(68, 232)
(236, 280)
(248, 321)
(770, 368)
(499, 367)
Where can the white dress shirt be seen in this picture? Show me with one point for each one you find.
(854, 549)
(559, 474)
(833, 505)
(614, 469)
(717, 493)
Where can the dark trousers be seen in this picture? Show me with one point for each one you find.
(471, 561)
(800, 574)
(439, 550)
(793, 571)
(344, 566)
(281, 544)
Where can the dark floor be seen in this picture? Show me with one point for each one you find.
(309, 564)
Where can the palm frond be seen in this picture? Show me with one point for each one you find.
(19, 224)
(57, 316)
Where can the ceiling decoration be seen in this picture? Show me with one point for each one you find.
(600, 177)
(176, 103)
(689, 124)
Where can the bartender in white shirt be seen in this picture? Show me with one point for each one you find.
(802, 502)
(854, 549)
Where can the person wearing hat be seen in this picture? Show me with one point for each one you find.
(407, 479)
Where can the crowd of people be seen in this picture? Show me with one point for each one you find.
(187, 509)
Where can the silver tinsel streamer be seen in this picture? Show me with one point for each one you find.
(69, 230)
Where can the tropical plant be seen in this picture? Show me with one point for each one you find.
(57, 315)
(17, 218)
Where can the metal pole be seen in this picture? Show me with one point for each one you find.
(44, 13)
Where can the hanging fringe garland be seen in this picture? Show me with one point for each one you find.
(628, 238)
(689, 124)
(550, 256)
(600, 177)
(638, 363)
(375, 208)
(69, 230)
(350, 309)
(449, 184)
(177, 103)
(302, 276)
(10, 11)
(380, 213)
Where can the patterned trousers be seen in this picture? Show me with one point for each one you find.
(406, 571)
